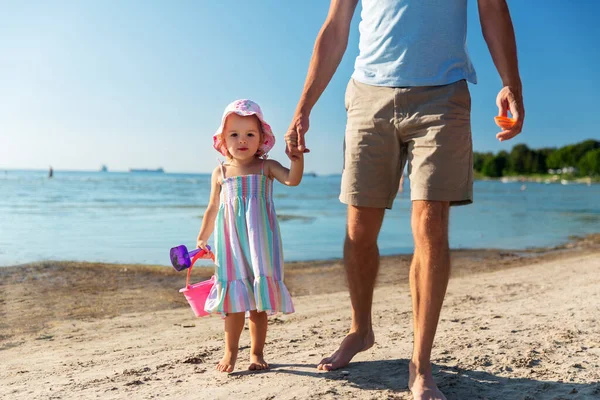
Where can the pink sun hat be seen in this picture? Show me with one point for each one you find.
(245, 107)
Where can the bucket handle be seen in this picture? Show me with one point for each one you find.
(197, 256)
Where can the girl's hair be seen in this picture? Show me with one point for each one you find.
(262, 138)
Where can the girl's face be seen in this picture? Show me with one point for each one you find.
(242, 136)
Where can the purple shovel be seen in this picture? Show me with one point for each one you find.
(182, 259)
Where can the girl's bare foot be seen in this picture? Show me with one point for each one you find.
(227, 363)
(234, 324)
(258, 336)
(257, 363)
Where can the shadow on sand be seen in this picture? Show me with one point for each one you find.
(456, 383)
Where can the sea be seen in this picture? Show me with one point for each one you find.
(136, 217)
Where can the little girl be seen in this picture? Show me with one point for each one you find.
(248, 250)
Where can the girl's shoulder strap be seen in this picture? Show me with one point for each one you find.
(222, 169)
(262, 167)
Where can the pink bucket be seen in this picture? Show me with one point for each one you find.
(197, 293)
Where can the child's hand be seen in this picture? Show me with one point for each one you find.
(294, 140)
(201, 244)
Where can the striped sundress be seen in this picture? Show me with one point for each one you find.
(248, 250)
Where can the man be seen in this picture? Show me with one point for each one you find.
(407, 102)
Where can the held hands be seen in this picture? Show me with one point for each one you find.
(510, 99)
(294, 138)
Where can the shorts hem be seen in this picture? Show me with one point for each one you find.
(366, 201)
(455, 197)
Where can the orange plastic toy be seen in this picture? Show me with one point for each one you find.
(504, 122)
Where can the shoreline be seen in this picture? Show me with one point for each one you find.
(571, 241)
(546, 179)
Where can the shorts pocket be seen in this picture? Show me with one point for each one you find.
(348, 94)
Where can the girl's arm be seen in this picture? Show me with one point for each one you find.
(289, 177)
(208, 220)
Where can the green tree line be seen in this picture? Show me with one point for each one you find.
(582, 159)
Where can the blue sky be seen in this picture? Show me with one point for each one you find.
(143, 84)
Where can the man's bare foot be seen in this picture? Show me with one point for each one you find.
(257, 363)
(352, 344)
(422, 385)
(227, 363)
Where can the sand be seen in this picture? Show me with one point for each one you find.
(515, 325)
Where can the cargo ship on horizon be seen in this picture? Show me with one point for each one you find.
(153, 171)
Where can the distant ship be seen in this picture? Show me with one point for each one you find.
(104, 169)
(153, 171)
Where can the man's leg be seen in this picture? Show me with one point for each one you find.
(429, 274)
(361, 260)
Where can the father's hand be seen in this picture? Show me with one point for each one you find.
(510, 99)
(294, 138)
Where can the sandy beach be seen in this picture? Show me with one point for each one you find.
(515, 325)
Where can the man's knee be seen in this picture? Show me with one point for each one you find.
(364, 224)
(430, 221)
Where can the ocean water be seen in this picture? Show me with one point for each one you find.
(137, 217)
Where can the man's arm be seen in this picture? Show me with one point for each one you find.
(499, 35)
(329, 49)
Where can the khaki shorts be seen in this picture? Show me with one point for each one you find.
(427, 127)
